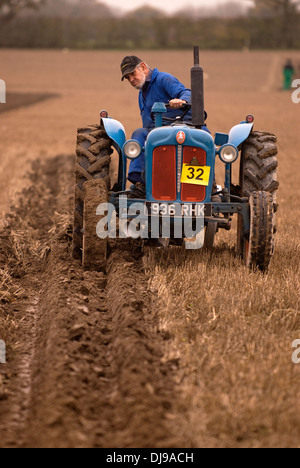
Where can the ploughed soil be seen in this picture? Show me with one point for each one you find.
(85, 365)
(17, 100)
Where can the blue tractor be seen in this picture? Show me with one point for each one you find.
(183, 205)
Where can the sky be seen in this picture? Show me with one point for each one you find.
(167, 5)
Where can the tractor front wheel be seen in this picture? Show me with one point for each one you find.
(93, 156)
(258, 173)
(258, 248)
(94, 252)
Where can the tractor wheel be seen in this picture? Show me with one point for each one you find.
(259, 164)
(94, 252)
(259, 248)
(92, 162)
(210, 234)
(258, 172)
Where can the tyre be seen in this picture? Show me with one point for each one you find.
(92, 163)
(259, 164)
(258, 172)
(94, 252)
(259, 248)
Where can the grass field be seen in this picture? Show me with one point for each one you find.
(223, 334)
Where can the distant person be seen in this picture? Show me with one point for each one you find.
(289, 73)
(154, 86)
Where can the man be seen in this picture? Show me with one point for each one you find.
(154, 86)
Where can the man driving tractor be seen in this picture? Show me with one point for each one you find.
(154, 86)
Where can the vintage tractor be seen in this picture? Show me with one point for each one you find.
(181, 189)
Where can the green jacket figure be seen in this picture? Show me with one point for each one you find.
(288, 74)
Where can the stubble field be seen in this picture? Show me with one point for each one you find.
(173, 349)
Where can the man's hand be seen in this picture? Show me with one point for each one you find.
(177, 103)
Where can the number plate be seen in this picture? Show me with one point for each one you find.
(196, 175)
(177, 209)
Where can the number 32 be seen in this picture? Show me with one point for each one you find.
(192, 175)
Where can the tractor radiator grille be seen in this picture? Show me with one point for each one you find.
(193, 193)
(164, 173)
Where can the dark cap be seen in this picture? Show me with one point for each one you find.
(129, 64)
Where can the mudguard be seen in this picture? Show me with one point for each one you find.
(239, 133)
(116, 132)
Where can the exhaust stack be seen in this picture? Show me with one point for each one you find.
(197, 86)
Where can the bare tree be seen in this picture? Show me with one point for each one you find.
(10, 8)
(286, 11)
(278, 7)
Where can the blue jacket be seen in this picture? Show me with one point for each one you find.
(162, 88)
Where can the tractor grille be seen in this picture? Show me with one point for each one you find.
(193, 193)
(164, 173)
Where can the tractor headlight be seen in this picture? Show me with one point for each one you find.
(228, 154)
(132, 149)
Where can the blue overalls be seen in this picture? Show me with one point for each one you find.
(159, 87)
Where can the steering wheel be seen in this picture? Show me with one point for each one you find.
(184, 109)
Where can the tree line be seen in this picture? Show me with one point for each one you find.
(271, 24)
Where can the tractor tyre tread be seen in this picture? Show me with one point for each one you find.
(262, 230)
(259, 164)
(93, 156)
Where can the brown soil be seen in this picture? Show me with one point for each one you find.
(91, 356)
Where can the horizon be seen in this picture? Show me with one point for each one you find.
(170, 6)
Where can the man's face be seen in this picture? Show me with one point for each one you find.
(137, 78)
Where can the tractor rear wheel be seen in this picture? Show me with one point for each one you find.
(258, 172)
(259, 164)
(93, 158)
(259, 247)
(94, 252)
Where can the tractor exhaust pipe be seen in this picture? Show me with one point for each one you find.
(197, 86)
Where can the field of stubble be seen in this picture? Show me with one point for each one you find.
(168, 350)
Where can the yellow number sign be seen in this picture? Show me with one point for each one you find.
(196, 175)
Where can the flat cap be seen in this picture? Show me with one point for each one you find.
(129, 64)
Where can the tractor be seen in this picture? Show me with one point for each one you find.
(181, 188)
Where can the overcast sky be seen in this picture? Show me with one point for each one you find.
(167, 5)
